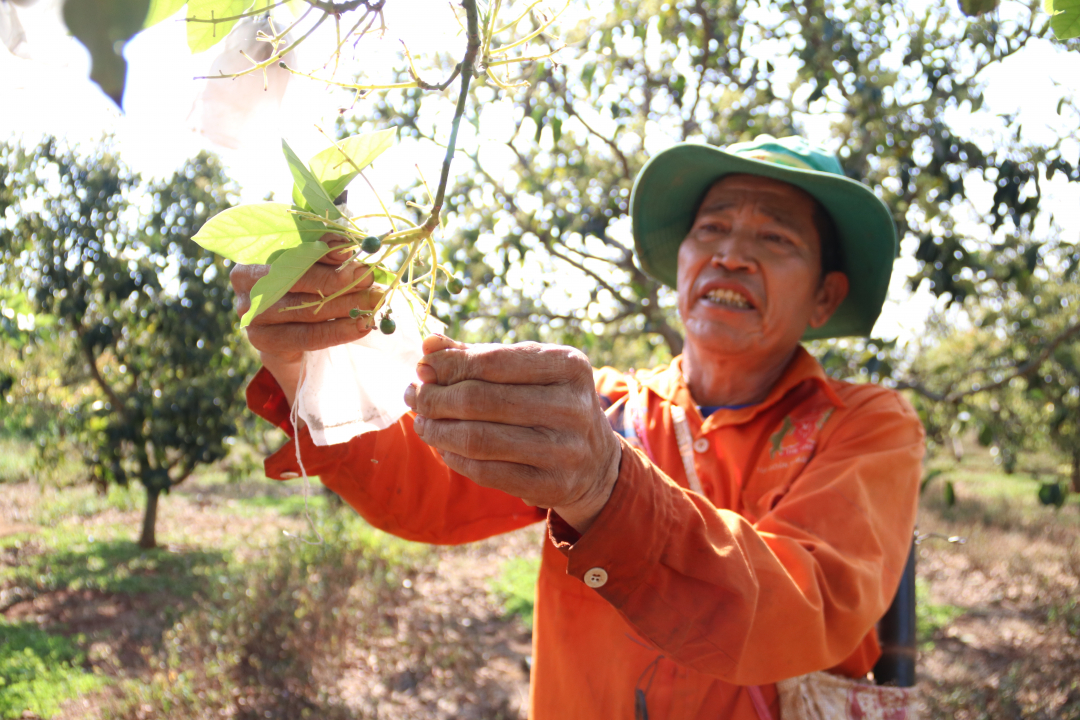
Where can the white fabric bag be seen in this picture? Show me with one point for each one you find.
(225, 110)
(352, 389)
(823, 696)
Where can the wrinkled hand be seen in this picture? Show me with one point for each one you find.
(282, 337)
(524, 419)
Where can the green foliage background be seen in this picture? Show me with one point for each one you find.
(134, 355)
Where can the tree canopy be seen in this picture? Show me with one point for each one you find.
(153, 362)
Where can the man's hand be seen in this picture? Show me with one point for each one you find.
(524, 419)
(282, 337)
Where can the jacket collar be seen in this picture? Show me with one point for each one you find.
(668, 382)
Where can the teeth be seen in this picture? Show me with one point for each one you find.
(727, 297)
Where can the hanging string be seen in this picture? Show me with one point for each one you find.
(294, 418)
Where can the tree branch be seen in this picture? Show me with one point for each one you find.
(91, 363)
(1018, 371)
(707, 31)
(609, 141)
(335, 8)
(594, 275)
(467, 69)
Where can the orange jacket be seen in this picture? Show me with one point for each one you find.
(781, 566)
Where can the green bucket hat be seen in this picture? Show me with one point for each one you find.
(670, 187)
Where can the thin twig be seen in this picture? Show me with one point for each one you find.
(468, 67)
(1019, 371)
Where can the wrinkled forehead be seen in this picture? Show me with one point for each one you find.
(772, 195)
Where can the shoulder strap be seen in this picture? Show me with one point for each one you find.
(686, 446)
(758, 699)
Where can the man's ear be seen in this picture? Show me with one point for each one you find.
(831, 292)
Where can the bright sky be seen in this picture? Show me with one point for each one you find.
(51, 94)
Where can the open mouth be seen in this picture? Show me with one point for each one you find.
(730, 298)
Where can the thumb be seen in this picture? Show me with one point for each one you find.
(432, 344)
(435, 342)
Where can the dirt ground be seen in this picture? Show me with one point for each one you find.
(1007, 645)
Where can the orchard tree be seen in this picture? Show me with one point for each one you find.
(1013, 377)
(540, 222)
(145, 315)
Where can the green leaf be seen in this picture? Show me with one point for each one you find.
(250, 234)
(950, 490)
(162, 10)
(313, 196)
(286, 270)
(1065, 18)
(1050, 493)
(334, 170)
(972, 8)
(204, 35)
(382, 275)
(929, 477)
(103, 27)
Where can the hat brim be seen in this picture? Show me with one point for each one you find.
(670, 187)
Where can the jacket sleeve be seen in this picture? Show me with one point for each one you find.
(793, 593)
(392, 478)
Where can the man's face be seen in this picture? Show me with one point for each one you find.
(749, 270)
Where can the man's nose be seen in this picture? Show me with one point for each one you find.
(734, 251)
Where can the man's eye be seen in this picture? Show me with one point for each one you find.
(775, 237)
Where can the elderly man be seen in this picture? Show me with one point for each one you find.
(714, 526)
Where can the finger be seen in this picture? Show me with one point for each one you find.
(244, 277)
(303, 308)
(327, 280)
(295, 337)
(518, 405)
(338, 256)
(522, 481)
(436, 342)
(486, 441)
(521, 364)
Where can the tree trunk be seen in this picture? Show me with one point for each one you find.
(1076, 471)
(148, 539)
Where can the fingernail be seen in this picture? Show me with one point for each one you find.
(364, 323)
(410, 396)
(426, 373)
(418, 425)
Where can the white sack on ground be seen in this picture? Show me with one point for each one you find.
(225, 109)
(352, 389)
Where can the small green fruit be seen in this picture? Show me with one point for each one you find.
(354, 313)
(387, 325)
(370, 244)
(454, 286)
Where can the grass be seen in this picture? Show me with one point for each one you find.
(931, 618)
(226, 587)
(516, 587)
(16, 463)
(229, 609)
(39, 670)
(71, 559)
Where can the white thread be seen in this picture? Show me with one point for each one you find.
(294, 418)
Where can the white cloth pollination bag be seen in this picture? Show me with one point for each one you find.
(225, 109)
(12, 34)
(352, 389)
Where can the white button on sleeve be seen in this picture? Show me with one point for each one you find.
(596, 578)
(701, 445)
(289, 475)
